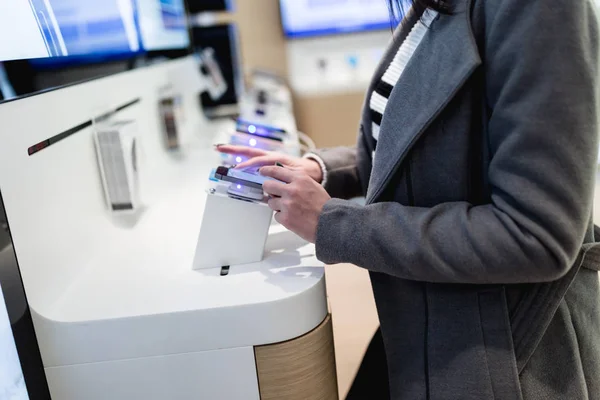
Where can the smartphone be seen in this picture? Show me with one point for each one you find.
(170, 132)
(244, 178)
(117, 169)
(211, 69)
(261, 130)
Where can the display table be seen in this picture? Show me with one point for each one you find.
(118, 310)
(142, 299)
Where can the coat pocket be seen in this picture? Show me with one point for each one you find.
(470, 354)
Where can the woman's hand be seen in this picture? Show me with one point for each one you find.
(298, 203)
(259, 158)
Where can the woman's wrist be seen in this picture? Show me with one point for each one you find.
(316, 168)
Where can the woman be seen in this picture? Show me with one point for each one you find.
(476, 154)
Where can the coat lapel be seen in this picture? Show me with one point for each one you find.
(412, 16)
(440, 66)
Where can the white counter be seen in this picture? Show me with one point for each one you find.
(144, 282)
(118, 310)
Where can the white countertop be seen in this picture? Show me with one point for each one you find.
(145, 283)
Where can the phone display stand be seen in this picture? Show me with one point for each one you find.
(118, 153)
(245, 192)
(244, 139)
(216, 85)
(171, 115)
(234, 229)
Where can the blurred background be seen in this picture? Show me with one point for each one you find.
(326, 56)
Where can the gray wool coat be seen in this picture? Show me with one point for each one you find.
(478, 207)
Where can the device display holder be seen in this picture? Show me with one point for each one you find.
(171, 117)
(234, 228)
(119, 155)
(216, 85)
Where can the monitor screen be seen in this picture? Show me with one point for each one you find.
(18, 20)
(63, 42)
(304, 18)
(90, 31)
(53, 28)
(163, 24)
(21, 370)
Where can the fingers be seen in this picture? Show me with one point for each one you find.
(260, 161)
(275, 203)
(274, 188)
(240, 150)
(283, 174)
(278, 218)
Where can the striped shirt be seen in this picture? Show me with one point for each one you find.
(383, 89)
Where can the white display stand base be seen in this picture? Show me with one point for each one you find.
(233, 231)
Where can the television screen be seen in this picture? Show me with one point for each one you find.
(21, 370)
(53, 28)
(62, 42)
(163, 24)
(90, 31)
(305, 18)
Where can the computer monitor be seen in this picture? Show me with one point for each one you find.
(306, 18)
(59, 33)
(55, 43)
(163, 24)
(21, 370)
(58, 28)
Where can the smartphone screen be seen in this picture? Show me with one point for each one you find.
(265, 131)
(245, 178)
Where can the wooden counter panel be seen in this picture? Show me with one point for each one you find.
(299, 369)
